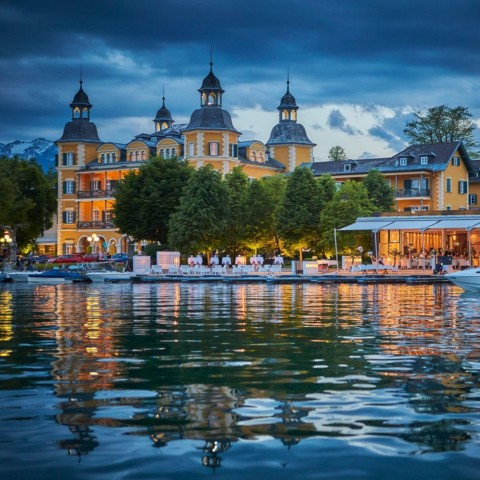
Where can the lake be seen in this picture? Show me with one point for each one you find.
(239, 381)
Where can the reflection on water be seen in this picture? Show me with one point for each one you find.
(211, 371)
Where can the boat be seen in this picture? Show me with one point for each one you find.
(468, 279)
(109, 276)
(21, 275)
(58, 275)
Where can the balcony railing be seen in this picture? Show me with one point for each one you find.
(95, 225)
(96, 193)
(412, 192)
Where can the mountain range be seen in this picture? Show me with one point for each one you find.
(44, 151)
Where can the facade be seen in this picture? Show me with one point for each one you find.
(431, 177)
(89, 169)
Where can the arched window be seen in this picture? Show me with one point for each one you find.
(76, 113)
(260, 156)
(85, 112)
(114, 157)
(167, 153)
(211, 99)
(132, 156)
(144, 155)
(285, 115)
(137, 156)
(294, 115)
(102, 158)
(162, 153)
(204, 98)
(253, 156)
(174, 152)
(109, 158)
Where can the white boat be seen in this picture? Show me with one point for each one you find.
(57, 275)
(107, 276)
(21, 276)
(468, 279)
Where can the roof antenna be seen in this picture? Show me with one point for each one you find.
(288, 78)
(211, 56)
(81, 75)
(163, 97)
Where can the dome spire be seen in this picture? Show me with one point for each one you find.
(163, 120)
(81, 104)
(288, 106)
(211, 91)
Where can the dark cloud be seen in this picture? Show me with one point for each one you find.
(397, 54)
(337, 120)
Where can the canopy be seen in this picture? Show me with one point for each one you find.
(467, 224)
(414, 224)
(367, 224)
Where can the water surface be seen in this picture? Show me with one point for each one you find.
(191, 380)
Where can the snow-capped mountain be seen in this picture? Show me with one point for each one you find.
(42, 150)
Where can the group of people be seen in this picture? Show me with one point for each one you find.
(257, 260)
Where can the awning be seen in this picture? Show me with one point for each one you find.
(414, 224)
(367, 224)
(466, 224)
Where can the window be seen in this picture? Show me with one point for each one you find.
(174, 152)
(253, 156)
(191, 149)
(132, 156)
(167, 153)
(260, 156)
(448, 186)
(102, 158)
(448, 207)
(403, 161)
(162, 153)
(472, 199)
(96, 216)
(462, 186)
(69, 216)
(95, 185)
(69, 187)
(108, 215)
(456, 161)
(114, 157)
(347, 167)
(68, 159)
(213, 149)
(423, 160)
(233, 150)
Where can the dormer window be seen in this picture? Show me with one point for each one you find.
(403, 161)
(424, 160)
(456, 161)
(347, 167)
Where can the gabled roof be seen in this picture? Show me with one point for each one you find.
(439, 156)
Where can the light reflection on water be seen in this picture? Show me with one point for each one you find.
(245, 379)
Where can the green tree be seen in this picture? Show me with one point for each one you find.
(258, 216)
(349, 202)
(327, 188)
(145, 200)
(443, 124)
(379, 190)
(199, 223)
(237, 185)
(298, 219)
(275, 187)
(337, 154)
(28, 200)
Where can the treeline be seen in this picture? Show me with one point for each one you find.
(199, 210)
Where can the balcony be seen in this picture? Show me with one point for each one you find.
(96, 193)
(95, 225)
(412, 192)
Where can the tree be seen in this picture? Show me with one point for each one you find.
(199, 223)
(336, 154)
(237, 185)
(275, 189)
(298, 219)
(28, 200)
(349, 202)
(258, 215)
(443, 124)
(379, 190)
(145, 200)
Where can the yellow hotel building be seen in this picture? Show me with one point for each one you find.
(89, 169)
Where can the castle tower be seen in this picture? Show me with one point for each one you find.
(288, 141)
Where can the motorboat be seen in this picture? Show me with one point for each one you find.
(109, 276)
(21, 275)
(58, 275)
(468, 279)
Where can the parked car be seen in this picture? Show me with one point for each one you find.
(71, 258)
(119, 257)
(36, 258)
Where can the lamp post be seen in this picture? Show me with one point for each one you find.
(7, 242)
(93, 239)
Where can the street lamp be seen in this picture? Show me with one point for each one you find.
(7, 241)
(93, 238)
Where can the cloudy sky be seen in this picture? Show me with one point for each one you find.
(358, 68)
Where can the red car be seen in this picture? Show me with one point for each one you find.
(72, 258)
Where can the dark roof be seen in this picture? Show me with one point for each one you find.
(163, 113)
(211, 118)
(475, 174)
(439, 156)
(288, 133)
(288, 100)
(211, 82)
(80, 130)
(80, 99)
